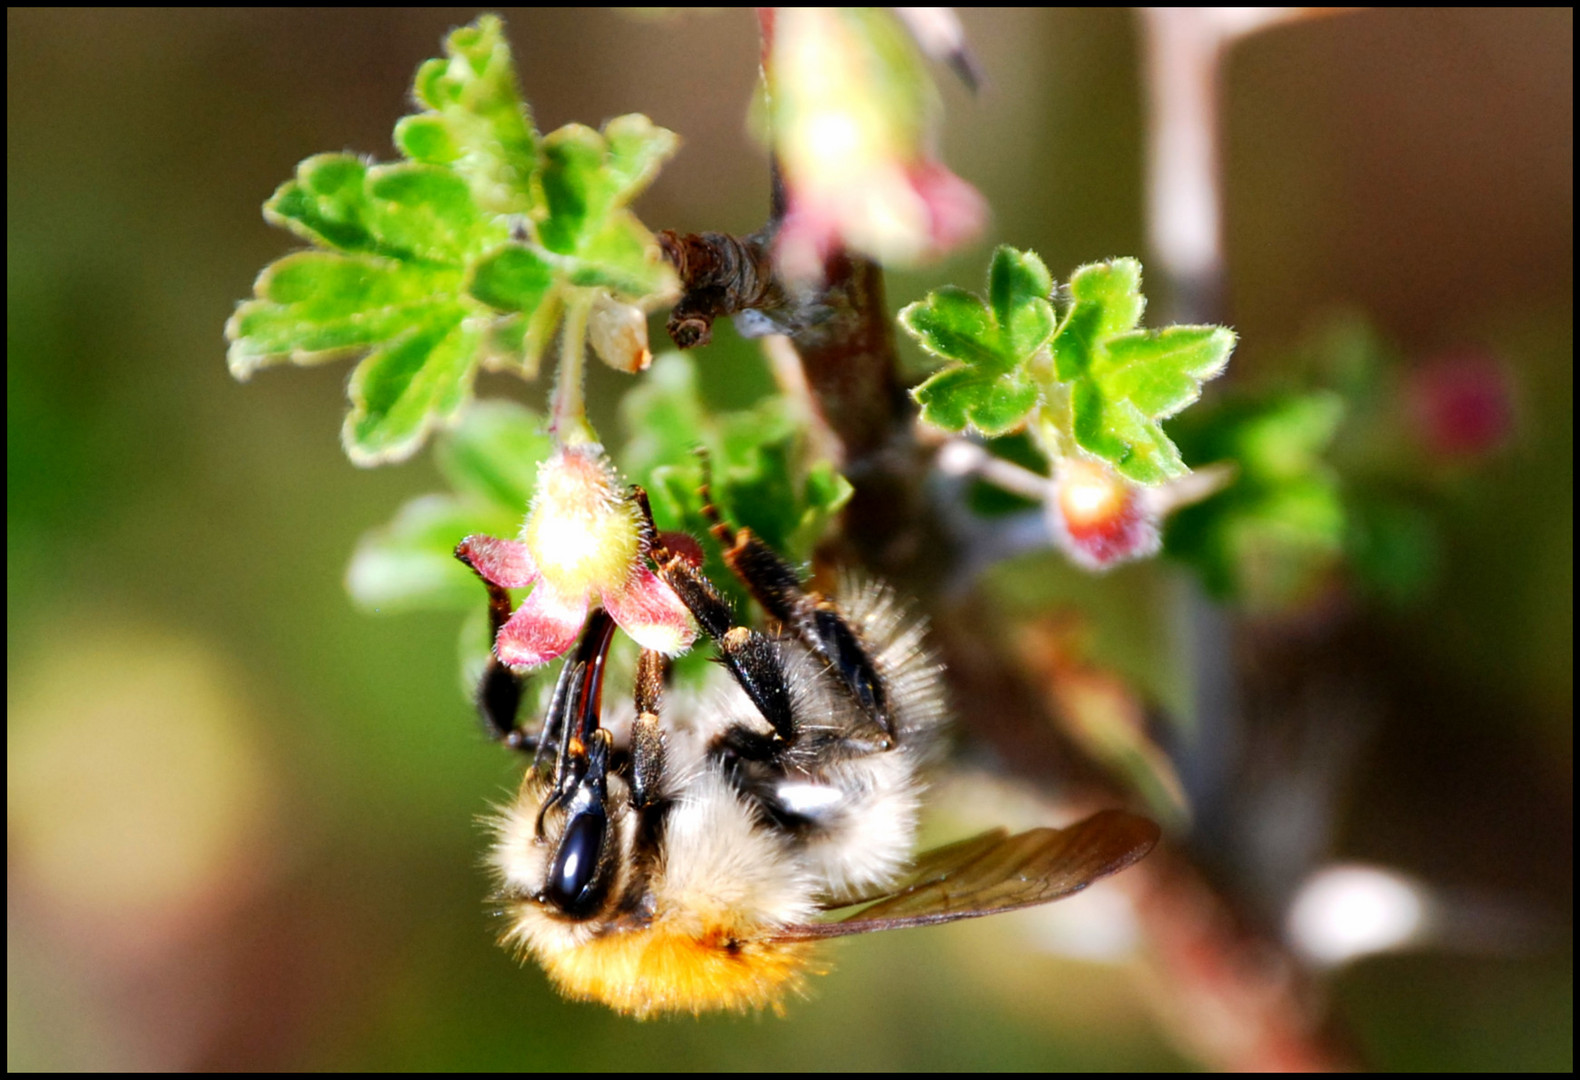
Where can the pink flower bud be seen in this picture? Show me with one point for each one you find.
(1461, 404)
(1099, 518)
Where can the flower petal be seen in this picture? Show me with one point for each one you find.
(543, 627)
(651, 613)
(503, 562)
(956, 210)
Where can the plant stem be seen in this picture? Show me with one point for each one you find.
(568, 424)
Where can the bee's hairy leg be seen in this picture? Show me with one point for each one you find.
(813, 618)
(500, 689)
(748, 656)
(647, 738)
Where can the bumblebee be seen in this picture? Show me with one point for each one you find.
(688, 858)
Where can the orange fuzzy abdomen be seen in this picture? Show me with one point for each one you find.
(657, 970)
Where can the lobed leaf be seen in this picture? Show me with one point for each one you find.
(313, 306)
(987, 386)
(402, 389)
(463, 253)
(1124, 380)
(478, 123)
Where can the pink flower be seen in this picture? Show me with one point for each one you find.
(1099, 518)
(853, 119)
(1462, 404)
(582, 539)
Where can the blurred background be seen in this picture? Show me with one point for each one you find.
(241, 813)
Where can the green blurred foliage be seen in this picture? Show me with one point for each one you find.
(1268, 539)
(1416, 164)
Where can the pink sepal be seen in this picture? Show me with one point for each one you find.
(503, 562)
(543, 627)
(651, 613)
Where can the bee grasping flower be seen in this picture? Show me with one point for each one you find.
(582, 539)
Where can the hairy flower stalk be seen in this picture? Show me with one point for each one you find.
(568, 411)
(581, 543)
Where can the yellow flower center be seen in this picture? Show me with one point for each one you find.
(582, 531)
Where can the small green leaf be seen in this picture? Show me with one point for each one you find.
(514, 278)
(638, 148)
(401, 237)
(490, 458)
(1018, 288)
(621, 257)
(588, 179)
(406, 386)
(573, 156)
(493, 454)
(478, 121)
(952, 324)
(314, 306)
(987, 387)
(1124, 380)
(961, 397)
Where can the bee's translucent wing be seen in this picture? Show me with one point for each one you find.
(997, 872)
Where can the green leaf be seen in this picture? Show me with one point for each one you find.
(407, 212)
(1272, 537)
(314, 306)
(621, 257)
(763, 478)
(430, 266)
(493, 454)
(1124, 380)
(403, 388)
(588, 179)
(514, 278)
(1018, 288)
(478, 123)
(490, 459)
(987, 385)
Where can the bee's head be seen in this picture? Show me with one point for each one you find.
(574, 830)
(564, 845)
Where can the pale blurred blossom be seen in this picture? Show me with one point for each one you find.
(854, 118)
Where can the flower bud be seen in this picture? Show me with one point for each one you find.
(1099, 518)
(617, 332)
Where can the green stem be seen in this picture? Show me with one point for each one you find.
(569, 424)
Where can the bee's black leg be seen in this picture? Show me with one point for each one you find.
(647, 738)
(747, 655)
(812, 617)
(500, 690)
